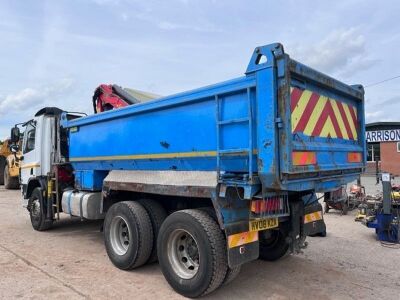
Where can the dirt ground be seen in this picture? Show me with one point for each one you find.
(70, 262)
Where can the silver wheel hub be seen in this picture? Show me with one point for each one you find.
(35, 208)
(183, 254)
(119, 235)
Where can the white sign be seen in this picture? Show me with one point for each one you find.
(385, 177)
(383, 136)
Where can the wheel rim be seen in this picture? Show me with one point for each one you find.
(120, 235)
(35, 208)
(183, 254)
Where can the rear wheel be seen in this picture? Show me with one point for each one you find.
(128, 235)
(326, 208)
(231, 274)
(274, 245)
(157, 216)
(37, 211)
(10, 183)
(192, 252)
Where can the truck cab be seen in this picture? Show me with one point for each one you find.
(37, 148)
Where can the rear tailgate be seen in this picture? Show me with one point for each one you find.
(323, 136)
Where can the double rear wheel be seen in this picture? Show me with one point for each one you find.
(191, 247)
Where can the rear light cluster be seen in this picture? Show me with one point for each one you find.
(304, 158)
(271, 206)
(354, 157)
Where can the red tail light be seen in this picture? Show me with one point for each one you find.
(270, 206)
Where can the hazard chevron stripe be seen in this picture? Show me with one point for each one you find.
(315, 115)
(242, 238)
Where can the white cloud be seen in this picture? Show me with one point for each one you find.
(374, 116)
(34, 97)
(342, 52)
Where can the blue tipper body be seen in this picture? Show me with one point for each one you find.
(241, 126)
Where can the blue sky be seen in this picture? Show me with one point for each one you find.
(54, 53)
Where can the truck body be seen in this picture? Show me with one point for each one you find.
(233, 166)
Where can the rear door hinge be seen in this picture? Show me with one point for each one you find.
(279, 122)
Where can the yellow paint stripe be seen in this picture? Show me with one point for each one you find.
(300, 107)
(339, 119)
(315, 115)
(242, 238)
(156, 156)
(33, 165)
(350, 120)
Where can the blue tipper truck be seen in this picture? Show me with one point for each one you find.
(205, 180)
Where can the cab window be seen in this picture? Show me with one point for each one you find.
(29, 139)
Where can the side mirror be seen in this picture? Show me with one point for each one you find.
(15, 134)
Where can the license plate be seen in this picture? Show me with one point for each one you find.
(262, 224)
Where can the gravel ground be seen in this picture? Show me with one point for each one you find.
(70, 262)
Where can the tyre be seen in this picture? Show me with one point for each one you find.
(10, 183)
(128, 235)
(157, 216)
(231, 274)
(37, 211)
(192, 252)
(2, 164)
(273, 247)
(345, 208)
(326, 208)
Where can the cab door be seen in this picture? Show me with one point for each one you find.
(30, 163)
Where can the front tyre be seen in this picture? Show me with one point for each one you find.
(192, 252)
(37, 211)
(2, 164)
(10, 183)
(128, 235)
(274, 246)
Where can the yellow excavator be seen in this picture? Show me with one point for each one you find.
(9, 165)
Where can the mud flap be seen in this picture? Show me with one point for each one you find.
(297, 236)
(242, 247)
(313, 220)
(243, 254)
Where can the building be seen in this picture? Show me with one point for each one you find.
(383, 147)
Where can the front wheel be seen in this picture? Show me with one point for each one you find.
(345, 208)
(192, 252)
(2, 164)
(10, 183)
(37, 211)
(274, 245)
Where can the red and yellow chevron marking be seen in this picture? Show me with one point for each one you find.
(242, 238)
(316, 115)
(312, 217)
